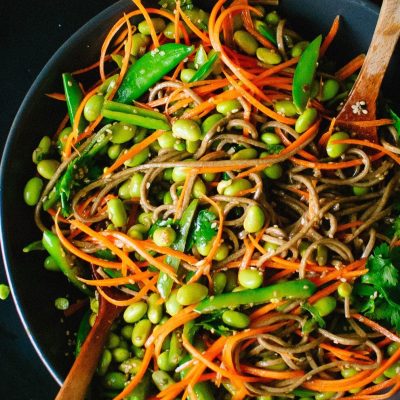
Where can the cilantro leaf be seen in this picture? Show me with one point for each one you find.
(396, 120)
(213, 323)
(274, 148)
(314, 313)
(170, 4)
(204, 228)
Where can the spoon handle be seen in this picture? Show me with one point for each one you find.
(386, 35)
(81, 373)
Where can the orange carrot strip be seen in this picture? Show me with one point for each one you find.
(56, 96)
(123, 280)
(330, 36)
(148, 355)
(376, 327)
(148, 244)
(146, 16)
(261, 311)
(352, 66)
(325, 137)
(373, 122)
(137, 148)
(265, 373)
(343, 354)
(349, 225)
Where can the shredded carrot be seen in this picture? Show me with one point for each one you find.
(330, 36)
(325, 137)
(343, 354)
(146, 16)
(265, 373)
(123, 280)
(351, 67)
(56, 96)
(376, 327)
(349, 225)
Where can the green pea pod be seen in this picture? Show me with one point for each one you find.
(38, 245)
(135, 115)
(52, 244)
(267, 32)
(149, 69)
(300, 289)
(304, 74)
(205, 69)
(164, 283)
(73, 97)
(83, 331)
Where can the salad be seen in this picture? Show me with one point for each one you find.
(201, 183)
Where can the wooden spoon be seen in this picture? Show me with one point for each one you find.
(80, 375)
(361, 103)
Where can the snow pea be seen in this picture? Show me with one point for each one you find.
(52, 244)
(149, 69)
(304, 74)
(73, 97)
(164, 283)
(300, 289)
(266, 31)
(205, 69)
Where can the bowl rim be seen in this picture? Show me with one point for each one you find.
(100, 18)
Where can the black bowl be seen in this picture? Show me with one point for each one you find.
(34, 289)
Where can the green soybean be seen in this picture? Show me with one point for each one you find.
(360, 191)
(393, 370)
(179, 174)
(104, 363)
(120, 354)
(135, 312)
(187, 74)
(227, 107)
(236, 319)
(122, 132)
(47, 168)
(50, 264)
(116, 212)
(272, 18)
(139, 44)
(325, 305)
(186, 129)
(210, 122)
(155, 309)
(237, 186)
(113, 340)
(330, 89)
(285, 107)
(335, 150)
(162, 380)
(93, 107)
(131, 366)
(192, 146)
(158, 24)
(134, 184)
(250, 278)
(166, 140)
(298, 48)
(164, 236)
(169, 31)
(33, 190)
(274, 171)
(268, 56)
(141, 331)
(42, 150)
(322, 255)
(164, 363)
(114, 151)
(270, 138)
(172, 306)
(245, 154)
(324, 395)
(231, 280)
(348, 372)
(61, 303)
(392, 348)
(219, 282)
(135, 233)
(222, 252)
(4, 291)
(305, 120)
(191, 293)
(115, 380)
(139, 158)
(245, 42)
(254, 219)
(344, 289)
(199, 188)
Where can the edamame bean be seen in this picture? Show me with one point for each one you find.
(93, 107)
(164, 363)
(164, 236)
(192, 147)
(272, 18)
(298, 48)
(222, 252)
(187, 74)
(199, 188)
(116, 212)
(120, 354)
(135, 312)
(180, 145)
(94, 305)
(155, 309)
(136, 232)
(167, 198)
(245, 42)
(114, 151)
(236, 319)
(42, 150)
(124, 191)
(134, 184)
(141, 331)
(130, 366)
(231, 280)
(274, 171)
(146, 219)
(245, 154)
(139, 44)
(219, 282)
(158, 24)
(200, 57)
(204, 248)
(169, 31)
(115, 380)
(138, 159)
(113, 340)
(186, 129)
(122, 132)
(322, 255)
(139, 135)
(325, 305)
(47, 168)
(227, 107)
(305, 120)
(105, 361)
(61, 303)
(324, 395)
(330, 89)
(379, 379)
(335, 150)
(209, 176)
(210, 122)
(191, 293)
(360, 191)
(344, 289)
(50, 264)
(166, 140)
(270, 247)
(126, 331)
(222, 185)
(250, 278)
(270, 138)
(237, 186)
(348, 372)
(254, 219)
(179, 174)
(162, 380)
(268, 56)
(392, 348)
(33, 190)
(285, 107)
(172, 306)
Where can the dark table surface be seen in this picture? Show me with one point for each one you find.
(30, 32)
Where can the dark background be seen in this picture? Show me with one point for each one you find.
(30, 32)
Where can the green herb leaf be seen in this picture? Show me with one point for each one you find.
(314, 313)
(203, 229)
(396, 120)
(274, 148)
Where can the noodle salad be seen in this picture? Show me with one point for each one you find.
(201, 183)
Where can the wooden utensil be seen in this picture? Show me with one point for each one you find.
(80, 375)
(361, 103)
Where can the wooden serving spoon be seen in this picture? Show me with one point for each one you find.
(80, 375)
(361, 103)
